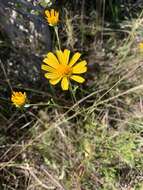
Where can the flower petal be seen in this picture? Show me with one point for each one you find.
(51, 60)
(51, 76)
(74, 59)
(66, 56)
(80, 67)
(78, 70)
(52, 13)
(57, 15)
(63, 57)
(55, 81)
(47, 13)
(51, 56)
(47, 68)
(77, 78)
(59, 54)
(82, 63)
(65, 83)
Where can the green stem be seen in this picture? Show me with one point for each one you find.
(57, 36)
(72, 93)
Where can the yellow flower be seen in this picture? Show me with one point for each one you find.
(52, 17)
(18, 98)
(61, 68)
(141, 46)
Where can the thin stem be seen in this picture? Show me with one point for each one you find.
(72, 93)
(57, 36)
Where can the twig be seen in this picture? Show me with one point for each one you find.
(53, 180)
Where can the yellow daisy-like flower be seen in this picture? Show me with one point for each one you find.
(18, 98)
(141, 46)
(60, 67)
(52, 17)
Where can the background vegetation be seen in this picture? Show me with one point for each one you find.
(91, 139)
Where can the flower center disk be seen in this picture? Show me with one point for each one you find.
(64, 70)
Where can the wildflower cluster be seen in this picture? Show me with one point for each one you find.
(59, 66)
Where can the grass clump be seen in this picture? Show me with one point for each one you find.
(81, 136)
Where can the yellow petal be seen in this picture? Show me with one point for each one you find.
(47, 13)
(51, 60)
(74, 59)
(77, 78)
(47, 68)
(51, 76)
(66, 55)
(59, 54)
(79, 70)
(65, 83)
(80, 67)
(52, 13)
(63, 57)
(55, 81)
(57, 15)
(82, 63)
(51, 56)
(25, 94)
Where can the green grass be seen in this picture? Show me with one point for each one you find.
(87, 139)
